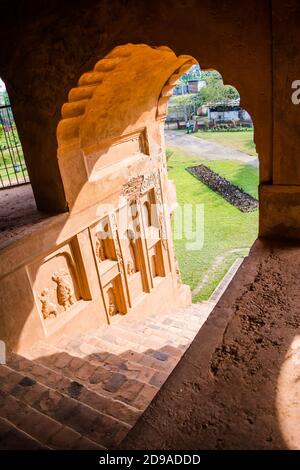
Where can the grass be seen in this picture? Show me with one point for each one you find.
(242, 140)
(7, 171)
(228, 233)
(9, 174)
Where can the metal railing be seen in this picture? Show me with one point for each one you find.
(13, 169)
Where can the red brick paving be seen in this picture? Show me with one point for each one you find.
(87, 391)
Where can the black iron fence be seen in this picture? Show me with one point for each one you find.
(13, 169)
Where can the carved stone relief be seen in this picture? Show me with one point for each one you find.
(129, 248)
(100, 250)
(177, 269)
(64, 289)
(111, 266)
(153, 180)
(130, 268)
(148, 182)
(163, 230)
(132, 189)
(112, 305)
(56, 282)
(48, 307)
(114, 230)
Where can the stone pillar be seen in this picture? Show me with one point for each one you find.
(37, 130)
(280, 201)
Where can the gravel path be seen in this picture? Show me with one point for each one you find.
(206, 150)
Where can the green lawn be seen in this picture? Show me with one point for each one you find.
(241, 140)
(9, 173)
(225, 227)
(6, 165)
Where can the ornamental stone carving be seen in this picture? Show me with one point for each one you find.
(112, 305)
(132, 189)
(130, 268)
(48, 308)
(64, 289)
(100, 251)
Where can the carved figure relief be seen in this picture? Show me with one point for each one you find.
(163, 231)
(112, 306)
(64, 289)
(132, 262)
(114, 231)
(148, 182)
(48, 307)
(130, 268)
(154, 180)
(100, 251)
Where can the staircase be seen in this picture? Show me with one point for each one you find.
(88, 390)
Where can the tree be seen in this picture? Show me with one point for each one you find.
(194, 73)
(183, 105)
(215, 92)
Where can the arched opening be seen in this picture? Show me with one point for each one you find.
(213, 161)
(18, 209)
(117, 314)
(87, 387)
(13, 171)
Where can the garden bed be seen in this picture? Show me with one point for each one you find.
(234, 195)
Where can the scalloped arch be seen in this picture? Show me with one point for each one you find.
(132, 81)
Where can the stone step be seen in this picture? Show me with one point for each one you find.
(77, 389)
(89, 352)
(163, 332)
(142, 370)
(179, 336)
(118, 334)
(143, 341)
(103, 430)
(46, 431)
(145, 363)
(87, 391)
(176, 328)
(113, 385)
(12, 438)
(113, 382)
(110, 375)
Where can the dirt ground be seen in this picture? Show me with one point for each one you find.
(238, 385)
(18, 213)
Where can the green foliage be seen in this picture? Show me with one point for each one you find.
(193, 74)
(10, 138)
(183, 105)
(215, 91)
(225, 227)
(181, 100)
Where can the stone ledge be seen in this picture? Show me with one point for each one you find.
(279, 215)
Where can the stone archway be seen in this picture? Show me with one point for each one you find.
(127, 90)
(111, 151)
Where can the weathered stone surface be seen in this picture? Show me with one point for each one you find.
(63, 411)
(237, 385)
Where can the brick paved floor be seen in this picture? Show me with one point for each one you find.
(87, 391)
